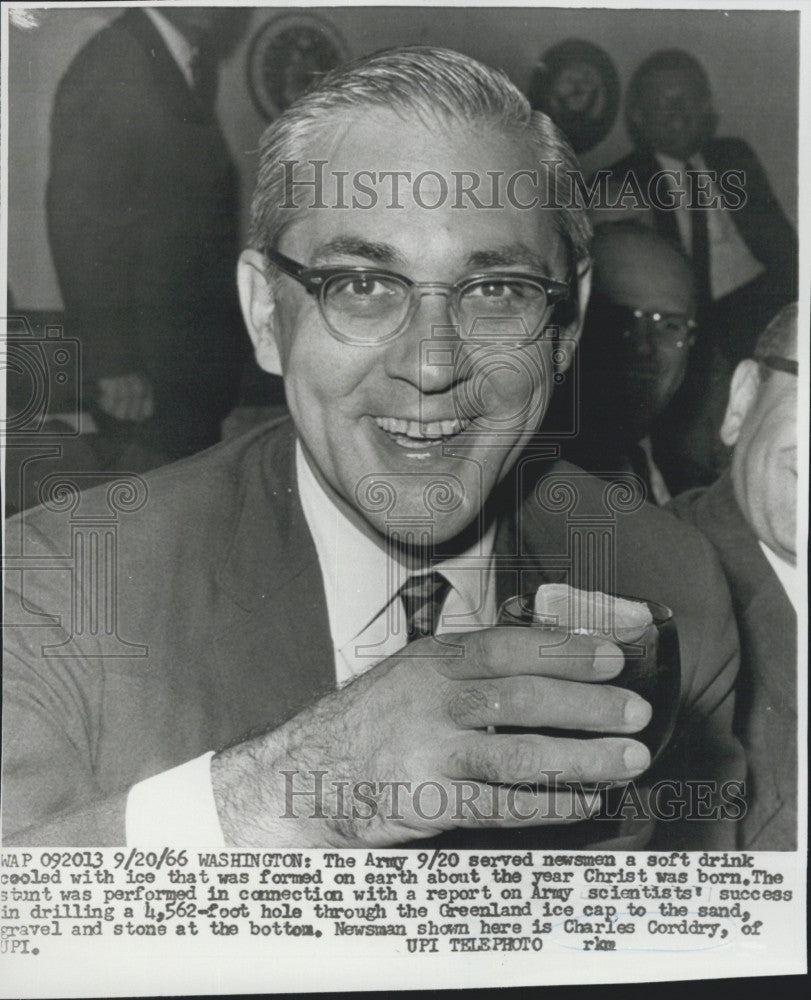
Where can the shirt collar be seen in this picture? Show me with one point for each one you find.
(788, 575)
(181, 49)
(671, 163)
(360, 577)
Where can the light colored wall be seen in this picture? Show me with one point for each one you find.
(750, 56)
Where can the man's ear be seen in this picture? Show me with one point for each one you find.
(570, 335)
(258, 308)
(743, 392)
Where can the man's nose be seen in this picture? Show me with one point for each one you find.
(636, 342)
(426, 352)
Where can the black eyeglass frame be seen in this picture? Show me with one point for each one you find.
(599, 302)
(778, 364)
(316, 280)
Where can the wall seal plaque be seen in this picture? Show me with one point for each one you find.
(577, 85)
(286, 54)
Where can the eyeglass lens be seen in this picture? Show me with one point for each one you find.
(658, 329)
(372, 306)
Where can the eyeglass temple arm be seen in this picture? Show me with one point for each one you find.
(779, 364)
(286, 264)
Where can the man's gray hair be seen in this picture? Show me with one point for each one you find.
(431, 83)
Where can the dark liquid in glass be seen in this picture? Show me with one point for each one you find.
(652, 670)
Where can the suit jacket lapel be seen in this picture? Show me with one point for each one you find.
(276, 631)
(523, 540)
(766, 618)
(745, 564)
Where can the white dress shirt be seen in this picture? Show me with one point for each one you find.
(361, 581)
(367, 624)
(731, 262)
(789, 576)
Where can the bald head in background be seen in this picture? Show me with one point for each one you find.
(636, 339)
(761, 426)
(637, 268)
(634, 265)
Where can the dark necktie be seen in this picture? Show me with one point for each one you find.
(423, 597)
(700, 248)
(204, 78)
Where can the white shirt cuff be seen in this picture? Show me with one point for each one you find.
(175, 807)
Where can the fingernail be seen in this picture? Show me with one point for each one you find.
(636, 757)
(608, 659)
(637, 712)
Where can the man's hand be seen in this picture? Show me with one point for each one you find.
(404, 751)
(126, 397)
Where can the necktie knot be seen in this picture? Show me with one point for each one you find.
(423, 597)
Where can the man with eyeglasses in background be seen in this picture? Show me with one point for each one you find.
(750, 516)
(313, 600)
(637, 336)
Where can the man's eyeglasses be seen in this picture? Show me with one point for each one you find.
(779, 364)
(672, 331)
(366, 305)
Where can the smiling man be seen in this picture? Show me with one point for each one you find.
(371, 397)
(301, 649)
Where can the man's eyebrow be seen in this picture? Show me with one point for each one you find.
(356, 246)
(510, 256)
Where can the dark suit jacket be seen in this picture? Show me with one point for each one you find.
(142, 217)
(766, 714)
(217, 579)
(760, 220)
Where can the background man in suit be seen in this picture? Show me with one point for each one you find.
(750, 516)
(712, 196)
(637, 337)
(288, 585)
(143, 222)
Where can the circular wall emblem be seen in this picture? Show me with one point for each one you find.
(286, 54)
(576, 84)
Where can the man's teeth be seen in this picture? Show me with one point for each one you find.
(433, 430)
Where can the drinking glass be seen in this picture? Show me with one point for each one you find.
(652, 665)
